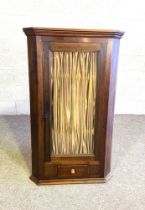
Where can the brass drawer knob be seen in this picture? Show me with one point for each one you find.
(72, 171)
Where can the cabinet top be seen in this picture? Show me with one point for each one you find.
(34, 31)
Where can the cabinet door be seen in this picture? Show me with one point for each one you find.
(73, 81)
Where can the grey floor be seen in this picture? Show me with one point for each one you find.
(125, 191)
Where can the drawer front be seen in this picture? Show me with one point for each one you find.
(94, 171)
(50, 171)
(72, 171)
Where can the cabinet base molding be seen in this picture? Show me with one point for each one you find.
(70, 181)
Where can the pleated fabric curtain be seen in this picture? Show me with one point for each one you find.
(73, 92)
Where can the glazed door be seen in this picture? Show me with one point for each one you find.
(73, 81)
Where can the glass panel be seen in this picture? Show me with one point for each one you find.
(73, 86)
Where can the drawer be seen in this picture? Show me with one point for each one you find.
(72, 171)
(50, 170)
(94, 171)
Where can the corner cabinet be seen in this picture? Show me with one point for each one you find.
(72, 75)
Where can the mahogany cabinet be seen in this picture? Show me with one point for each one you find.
(72, 75)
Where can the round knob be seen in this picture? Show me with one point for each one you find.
(72, 171)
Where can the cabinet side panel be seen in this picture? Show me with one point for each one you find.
(33, 88)
(112, 62)
(101, 108)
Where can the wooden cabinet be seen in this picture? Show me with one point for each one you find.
(72, 76)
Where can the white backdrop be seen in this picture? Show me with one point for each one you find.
(125, 15)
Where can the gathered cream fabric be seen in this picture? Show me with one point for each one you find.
(73, 92)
